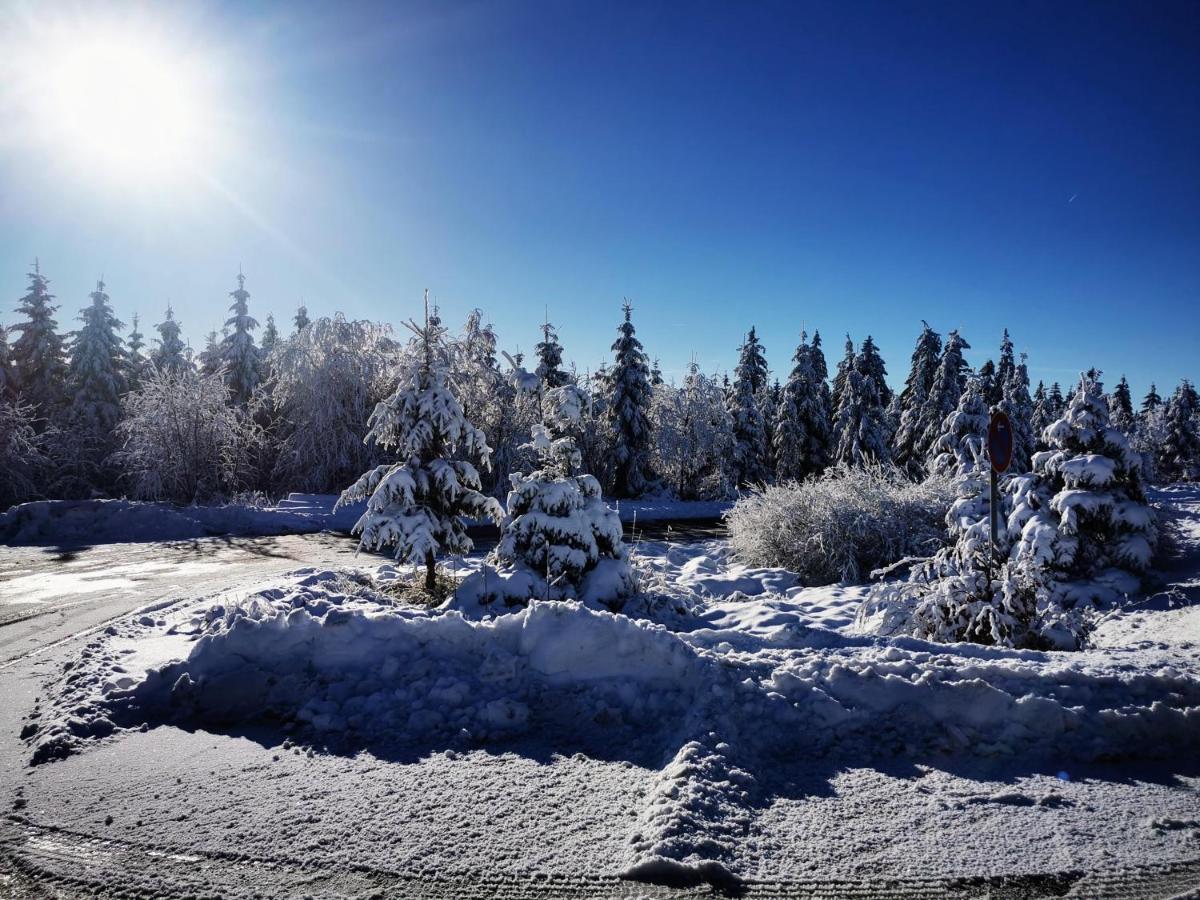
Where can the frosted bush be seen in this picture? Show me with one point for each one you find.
(841, 526)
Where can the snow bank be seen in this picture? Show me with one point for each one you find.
(114, 521)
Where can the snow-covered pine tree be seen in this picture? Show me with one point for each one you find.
(550, 365)
(872, 365)
(1153, 400)
(1056, 400)
(270, 336)
(96, 378)
(1120, 406)
(39, 358)
(239, 356)
(210, 357)
(987, 380)
(1178, 457)
(860, 432)
(628, 409)
(839, 379)
(656, 376)
(135, 360)
(910, 450)
(301, 319)
(417, 504)
(169, 354)
(944, 393)
(1016, 403)
(802, 429)
(558, 527)
(1005, 369)
(748, 460)
(964, 433)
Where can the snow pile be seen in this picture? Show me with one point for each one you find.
(113, 521)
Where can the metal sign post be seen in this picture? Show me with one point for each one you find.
(1000, 448)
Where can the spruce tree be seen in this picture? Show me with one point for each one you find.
(96, 379)
(418, 503)
(270, 337)
(802, 429)
(168, 355)
(1152, 400)
(860, 432)
(909, 447)
(301, 319)
(136, 361)
(39, 358)
(872, 364)
(8, 386)
(839, 379)
(239, 356)
(1016, 403)
(1006, 368)
(628, 411)
(945, 391)
(656, 376)
(1120, 406)
(1178, 457)
(990, 387)
(964, 433)
(748, 463)
(549, 353)
(1055, 399)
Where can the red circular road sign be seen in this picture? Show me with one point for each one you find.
(1000, 442)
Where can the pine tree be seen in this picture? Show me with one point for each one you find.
(860, 432)
(945, 391)
(1178, 457)
(270, 337)
(991, 387)
(909, 446)
(136, 361)
(964, 433)
(873, 366)
(550, 365)
(1152, 400)
(1056, 400)
(839, 379)
(210, 356)
(418, 503)
(38, 355)
(748, 462)
(1120, 405)
(301, 319)
(97, 380)
(1016, 403)
(628, 408)
(169, 356)
(656, 377)
(802, 433)
(1006, 369)
(239, 356)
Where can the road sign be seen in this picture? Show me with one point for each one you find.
(1000, 442)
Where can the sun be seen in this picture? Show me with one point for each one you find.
(119, 102)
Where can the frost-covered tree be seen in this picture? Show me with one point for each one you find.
(964, 433)
(860, 430)
(8, 384)
(38, 355)
(1016, 403)
(871, 364)
(301, 319)
(558, 528)
(239, 356)
(748, 460)
(210, 357)
(628, 409)
(909, 447)
(270, 337)
(692, 436)
(1079, 524)
(1178, 456)
(947, 388)
(1153, 400)
(135, 360)
(1042, 416)
(550, 363)
(656, 376)
(181, 442)
(22, 453)
(1005, 369)
(418, 503)
(987, 380)
(169, 352)
(98, 366)
(802, 437)
(843, 369)
(1120, 405)
(327, 380)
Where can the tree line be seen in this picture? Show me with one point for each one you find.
(100, 411)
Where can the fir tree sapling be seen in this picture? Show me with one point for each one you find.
(628, 409)
(418, 503)
(238, 355)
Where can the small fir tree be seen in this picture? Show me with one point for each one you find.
(910, 448)
(628, 409)
(239, 356)
(39, 357)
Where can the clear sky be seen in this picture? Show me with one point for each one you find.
(838, 166)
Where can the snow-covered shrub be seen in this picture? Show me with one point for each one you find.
(22, 454)
(326, 380)
(181, 441)
(417, 504)
(841, 526)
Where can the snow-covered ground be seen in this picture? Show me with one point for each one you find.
(731, 729)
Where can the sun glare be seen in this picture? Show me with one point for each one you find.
(123, 104)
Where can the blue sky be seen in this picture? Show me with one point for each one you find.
(838, 166)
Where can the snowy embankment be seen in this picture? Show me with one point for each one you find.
(69, 522)
(728, 671)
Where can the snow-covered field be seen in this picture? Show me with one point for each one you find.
(732, 729)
